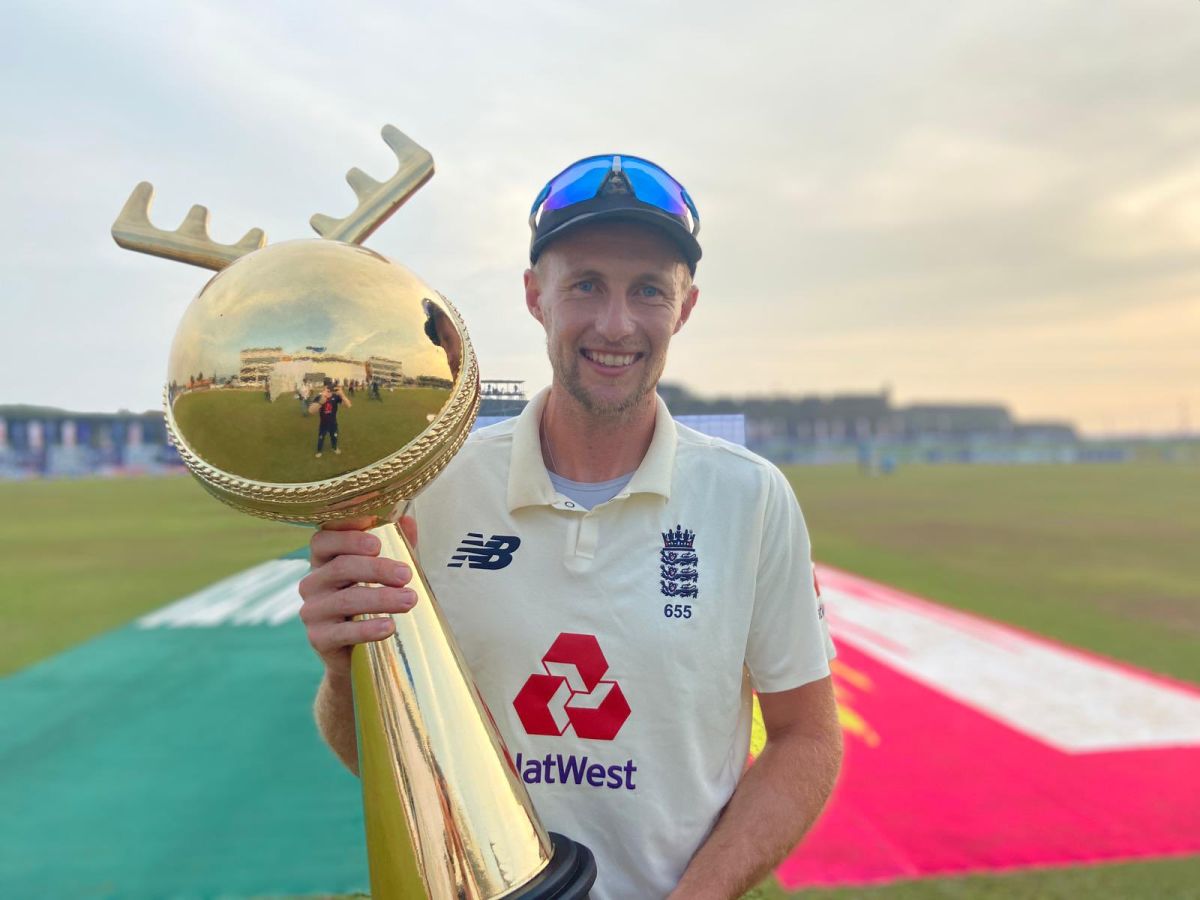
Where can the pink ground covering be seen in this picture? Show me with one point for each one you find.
(931, 786)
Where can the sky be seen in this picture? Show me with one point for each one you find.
(979, 201)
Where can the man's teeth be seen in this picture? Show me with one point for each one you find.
(611, 359)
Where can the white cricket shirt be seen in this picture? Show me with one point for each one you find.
(617, 647)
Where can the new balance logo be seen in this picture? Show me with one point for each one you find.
(494, 553)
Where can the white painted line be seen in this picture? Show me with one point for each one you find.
(1072, 701)
(263, 595)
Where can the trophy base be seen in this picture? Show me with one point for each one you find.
(569, 875)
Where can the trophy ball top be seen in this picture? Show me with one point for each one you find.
(314, 379)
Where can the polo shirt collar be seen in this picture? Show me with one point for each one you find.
(529, 483)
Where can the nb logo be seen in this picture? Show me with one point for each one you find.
(494, 553)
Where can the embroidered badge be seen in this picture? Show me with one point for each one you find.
(678, 564)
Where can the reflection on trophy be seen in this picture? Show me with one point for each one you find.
(292, 344)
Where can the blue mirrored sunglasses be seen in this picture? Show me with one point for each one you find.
(583, 180)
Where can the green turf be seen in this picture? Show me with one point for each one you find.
(1173, 879)
(1102, 557)
(80, 557)
(240, 432)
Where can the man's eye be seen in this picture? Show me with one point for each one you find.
(649, 290)
(585, 286)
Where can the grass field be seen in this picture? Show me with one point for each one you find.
(240, 432)
(1173, 879)
(1100, 557)
(81, 557)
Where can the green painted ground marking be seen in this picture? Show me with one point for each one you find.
(177, 757)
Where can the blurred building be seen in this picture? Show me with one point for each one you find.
(256, 363)
(304, 371)
(501, 397)
(863, 429)
(870, 430)
(41, 441)
(389, 372)
(955, 420)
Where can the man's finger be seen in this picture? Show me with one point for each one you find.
(325, 545)
(362, 523)
(359, 600)
(344, 571)
(329, 638)
(337, 606)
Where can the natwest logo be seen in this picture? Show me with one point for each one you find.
(572, 693)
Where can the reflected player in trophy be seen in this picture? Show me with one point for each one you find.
(326, 407)
(441, 331)
(618, 582)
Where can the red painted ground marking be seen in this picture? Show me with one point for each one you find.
(946, 772)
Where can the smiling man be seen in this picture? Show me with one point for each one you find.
(618, 583)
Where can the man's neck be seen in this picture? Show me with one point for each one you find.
(584, 447)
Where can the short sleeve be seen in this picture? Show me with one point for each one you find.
(788, 644)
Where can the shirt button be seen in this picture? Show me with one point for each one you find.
(569, 505)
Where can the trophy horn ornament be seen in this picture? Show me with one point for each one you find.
(316, 380)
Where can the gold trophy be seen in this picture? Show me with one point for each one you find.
(317, 380)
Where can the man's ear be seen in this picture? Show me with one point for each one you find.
(533, 295)
(689, 303)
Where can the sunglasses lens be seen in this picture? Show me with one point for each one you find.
(583, 180)
(580, 182)
(654, 186)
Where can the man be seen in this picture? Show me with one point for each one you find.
(327, 405)
(441, 331)
(636, 581)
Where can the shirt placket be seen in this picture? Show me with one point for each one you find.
(582, 534)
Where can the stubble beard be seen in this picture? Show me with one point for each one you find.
(566, 372)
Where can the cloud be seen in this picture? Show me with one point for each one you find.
(889, 193)
(1158, 217)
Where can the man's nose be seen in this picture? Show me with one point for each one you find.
(615, 323)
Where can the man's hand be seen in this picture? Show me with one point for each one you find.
(343, 557)
(778, 798)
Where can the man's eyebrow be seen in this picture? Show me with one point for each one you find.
(655, 277)
(583, 274)
(658, 280)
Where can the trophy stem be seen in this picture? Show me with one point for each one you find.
(446, 815)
